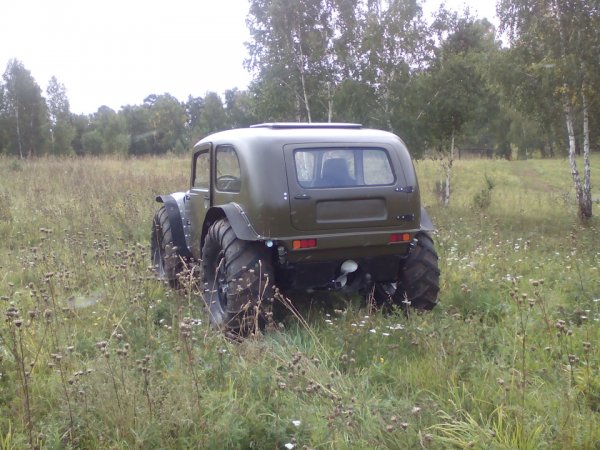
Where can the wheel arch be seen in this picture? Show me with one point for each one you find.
(236, 216)
(176, 221)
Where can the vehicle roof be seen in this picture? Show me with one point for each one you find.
(282, 133)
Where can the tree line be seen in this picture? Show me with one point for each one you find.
(33, 124)
(446, 84)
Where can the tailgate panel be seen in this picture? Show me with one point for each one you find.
(352, 211)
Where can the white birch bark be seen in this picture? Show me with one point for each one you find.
(584, 193)
(329, 103)
(300, 65)
(18, 130)
(572, 150)
(586, 206)
(305, 96)
(449, 171)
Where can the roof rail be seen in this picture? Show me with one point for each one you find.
(298, 125)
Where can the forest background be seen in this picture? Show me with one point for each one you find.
(435, 81)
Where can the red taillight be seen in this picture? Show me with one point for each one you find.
(304, 243)
(399, 237)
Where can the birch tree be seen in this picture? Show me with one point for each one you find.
(62, 131)
(25, 111)
(289, 49)
(562, 36)
(394, 46)
(454, 84)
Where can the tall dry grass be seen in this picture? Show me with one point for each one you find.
(95, 353)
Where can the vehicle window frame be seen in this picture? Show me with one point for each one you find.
(236, 184)
(358, 171)
(197, 154)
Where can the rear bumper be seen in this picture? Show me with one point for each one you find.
(346, 246)
(325, 274)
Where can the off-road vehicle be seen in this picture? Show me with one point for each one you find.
(298, 206)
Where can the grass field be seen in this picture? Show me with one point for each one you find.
(95, 353)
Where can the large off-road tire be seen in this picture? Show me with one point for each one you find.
(419, 280)
(165, 259)
(238, 277)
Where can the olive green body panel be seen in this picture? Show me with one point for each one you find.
(270, 196)
(256, 178)
(322, 198)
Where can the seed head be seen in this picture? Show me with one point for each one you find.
(587, 346)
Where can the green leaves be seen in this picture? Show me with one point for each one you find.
(23, 113)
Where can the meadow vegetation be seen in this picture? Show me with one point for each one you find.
(96, 353)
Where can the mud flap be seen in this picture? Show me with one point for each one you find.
(176, 224)
(426, 223)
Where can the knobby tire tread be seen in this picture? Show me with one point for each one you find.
(234, 311)
(161, 241)
(420, 277)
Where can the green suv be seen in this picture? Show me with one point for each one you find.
(279, 207)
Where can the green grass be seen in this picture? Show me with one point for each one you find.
(95, 353)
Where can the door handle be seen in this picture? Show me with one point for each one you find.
(302, 197)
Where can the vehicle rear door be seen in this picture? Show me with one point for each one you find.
(343, 186)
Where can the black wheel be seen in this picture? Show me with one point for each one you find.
(239, 280)
(165, 259)
(419, 281)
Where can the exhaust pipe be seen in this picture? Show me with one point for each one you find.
(348, 266)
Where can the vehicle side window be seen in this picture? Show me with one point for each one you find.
(228, 170)
(202, 171)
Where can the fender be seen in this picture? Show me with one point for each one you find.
(426, 223)
(176, 222)
(238, 219)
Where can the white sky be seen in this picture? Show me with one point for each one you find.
(117, 52)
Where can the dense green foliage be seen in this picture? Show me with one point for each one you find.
(96, 353)
(433, 81)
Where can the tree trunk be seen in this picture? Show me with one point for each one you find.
(387, 109)
(305, 96)
(444, 185)
(19, 140)
(449, 171)
(585, 208)
(584, 194)
(31, 135)
(298, 108)
(300, 65)
(329, 103)
(572, 152)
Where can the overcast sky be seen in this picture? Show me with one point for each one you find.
(117, 52)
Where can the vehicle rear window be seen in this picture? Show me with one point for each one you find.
(343, 167)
